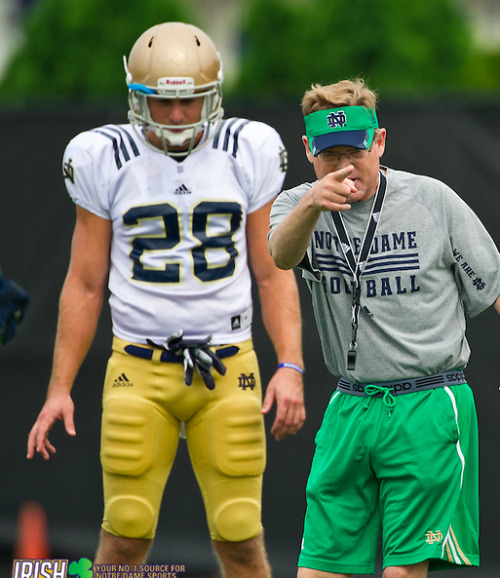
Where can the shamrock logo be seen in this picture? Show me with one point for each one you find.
(81, 569)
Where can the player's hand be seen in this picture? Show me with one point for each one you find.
(286, 388)
(332, 192)
(57, 407)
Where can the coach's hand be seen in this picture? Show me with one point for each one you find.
(332, 192)
(286, 388)
(57, 407)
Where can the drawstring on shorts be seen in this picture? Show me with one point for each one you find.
(387, 397)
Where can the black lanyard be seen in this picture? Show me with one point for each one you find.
(357, 267)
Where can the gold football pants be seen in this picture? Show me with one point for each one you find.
(145, 401)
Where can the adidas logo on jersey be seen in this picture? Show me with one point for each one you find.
(182, 190)
(122, 381)
(241, 321)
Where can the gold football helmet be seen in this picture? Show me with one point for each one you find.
(174, 60)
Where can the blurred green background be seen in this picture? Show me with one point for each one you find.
(272, 49)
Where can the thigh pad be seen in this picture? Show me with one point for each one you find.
(128, 431)
(239, 437)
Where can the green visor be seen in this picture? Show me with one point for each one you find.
(347, 126)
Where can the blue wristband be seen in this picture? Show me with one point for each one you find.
(291, 366)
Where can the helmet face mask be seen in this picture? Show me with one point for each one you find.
(174, 61)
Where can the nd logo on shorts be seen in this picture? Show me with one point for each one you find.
(432, 537)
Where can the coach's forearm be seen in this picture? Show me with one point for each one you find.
(289, 240)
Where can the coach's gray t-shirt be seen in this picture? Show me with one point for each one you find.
(431, 263)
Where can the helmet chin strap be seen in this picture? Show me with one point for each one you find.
(174, 139)
(176, 144)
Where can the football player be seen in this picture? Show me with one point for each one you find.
(172, 208)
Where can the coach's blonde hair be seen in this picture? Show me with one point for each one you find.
(343, 93)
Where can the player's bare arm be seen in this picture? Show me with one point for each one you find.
(288, 241)
(79, 308)
(281, 315)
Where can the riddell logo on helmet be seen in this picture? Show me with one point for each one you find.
(175, 81)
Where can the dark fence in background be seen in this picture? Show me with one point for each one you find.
(454, 141)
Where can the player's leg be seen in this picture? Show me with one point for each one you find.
(226, 442)
(118, 550)
(412, 571)
(138, 446)
(247, 559)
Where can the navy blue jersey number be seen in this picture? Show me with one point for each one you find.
(230, 215)
(213, 224)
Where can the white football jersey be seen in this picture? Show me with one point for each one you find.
(179, 249)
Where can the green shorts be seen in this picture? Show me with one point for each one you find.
(410, 472)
